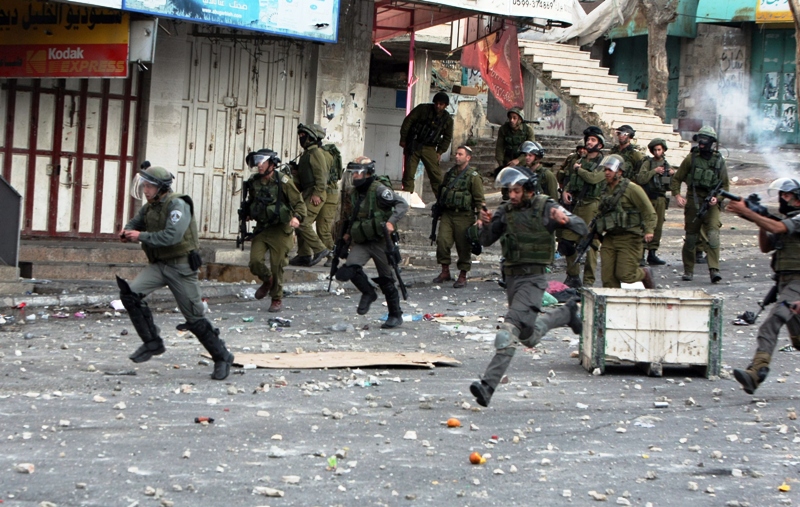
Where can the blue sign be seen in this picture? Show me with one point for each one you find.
(316, 20)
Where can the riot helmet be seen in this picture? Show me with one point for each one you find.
(613, 163)
(533, 148)
(516, 175)
(628, 130)
(705, 138)
(256, 158)
(358, 172)
(788, 185)
(153, 175)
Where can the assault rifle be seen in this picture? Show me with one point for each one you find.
(436, 214)
(586, 242)
(339, 252)
(393, 256)
(703, 210)
(243, 235)
(753, 203)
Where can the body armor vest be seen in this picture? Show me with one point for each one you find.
(578, 187)
(155, 220)
(658, 185)
(267, 206)
(704, 174)
(629, 156)
(455, 190)
(613, 216)
(305, 173)
(369, 218)
(527, 240)
(428, 130)
(787, 252)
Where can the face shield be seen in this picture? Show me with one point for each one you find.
(783, 185)
(510, 176)
(354, 175)
(255, 160)
(612, 163)
(140, 181)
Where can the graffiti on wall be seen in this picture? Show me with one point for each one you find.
(731, 70)
(551, 114)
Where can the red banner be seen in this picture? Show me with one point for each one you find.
(497, 57)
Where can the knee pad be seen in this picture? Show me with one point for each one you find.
(713, 238)
(690, 242)
(566, 247)
(346, 273)
(505, 336)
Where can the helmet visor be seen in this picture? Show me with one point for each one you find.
(137, 187)
(509, 177)
(256, 160)
(613, 164)
(352, 175)
(783, 185)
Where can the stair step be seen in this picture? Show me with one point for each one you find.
(530, 45)
(575, 72)
(586, 93)
(550, 55)
(631, 103)
(630, 118)
(569, 84)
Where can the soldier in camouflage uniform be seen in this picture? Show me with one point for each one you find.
(166, 228)
(510, 137)
(525, 227)
(278, 209)
(624, 219)
(583, 192)
(702, 170)
(460, 199)
(654, 176)
(633, 158)
(425, 135)
(783, 238)
(545, 179)
(562, 175)
(311, 178)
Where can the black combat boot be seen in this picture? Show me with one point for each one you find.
(575, 322)
(142, 320)
(755, 374)
(653, 259)
(482, 392)
(368, 294)
(208, 336)
(395, 318)
(700, 257)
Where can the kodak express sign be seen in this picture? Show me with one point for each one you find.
(52, 40)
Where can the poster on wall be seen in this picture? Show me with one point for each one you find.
(53, 40)
(332, 117)
(770, 89)
(315, 20)
(788, 118)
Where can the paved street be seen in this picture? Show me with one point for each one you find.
(101, 431)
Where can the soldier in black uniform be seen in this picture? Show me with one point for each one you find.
(166, 228)
(525, 227)
(374, 206)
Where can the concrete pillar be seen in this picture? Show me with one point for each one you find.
(342, 82)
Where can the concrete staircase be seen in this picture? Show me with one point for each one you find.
(598, 97)
(556, 150)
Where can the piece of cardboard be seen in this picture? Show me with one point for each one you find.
(465, 90)
(344, 359)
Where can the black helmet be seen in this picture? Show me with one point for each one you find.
(441, 98)
(595, 132)
(626, 129)
(255, 158)
(533, 148)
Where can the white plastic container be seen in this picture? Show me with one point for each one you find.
(652, 329)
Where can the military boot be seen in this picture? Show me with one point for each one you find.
(262, 291)
(653, 260)
(395, 318)
(715, 276)
(462, 280)
(795, 341)
(755, 374)
(575, 322)
(444, 276)
(482, 392)
(647, 281)
(643, 260)
(368, 294)
(208, 336)
(300, 260)
(142, 320)
(573, 282)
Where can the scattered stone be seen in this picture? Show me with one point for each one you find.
(693, 486)
(410, 435)
(272, 492)
(24, 468)
(600, 497)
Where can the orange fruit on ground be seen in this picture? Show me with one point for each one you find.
(453, 423)
(476, 458)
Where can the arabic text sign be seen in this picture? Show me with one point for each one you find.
(305, 19)
(773, 11)
(41, 40)
(545, 9)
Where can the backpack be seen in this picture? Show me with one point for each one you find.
(384, 180)
(337, 168)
